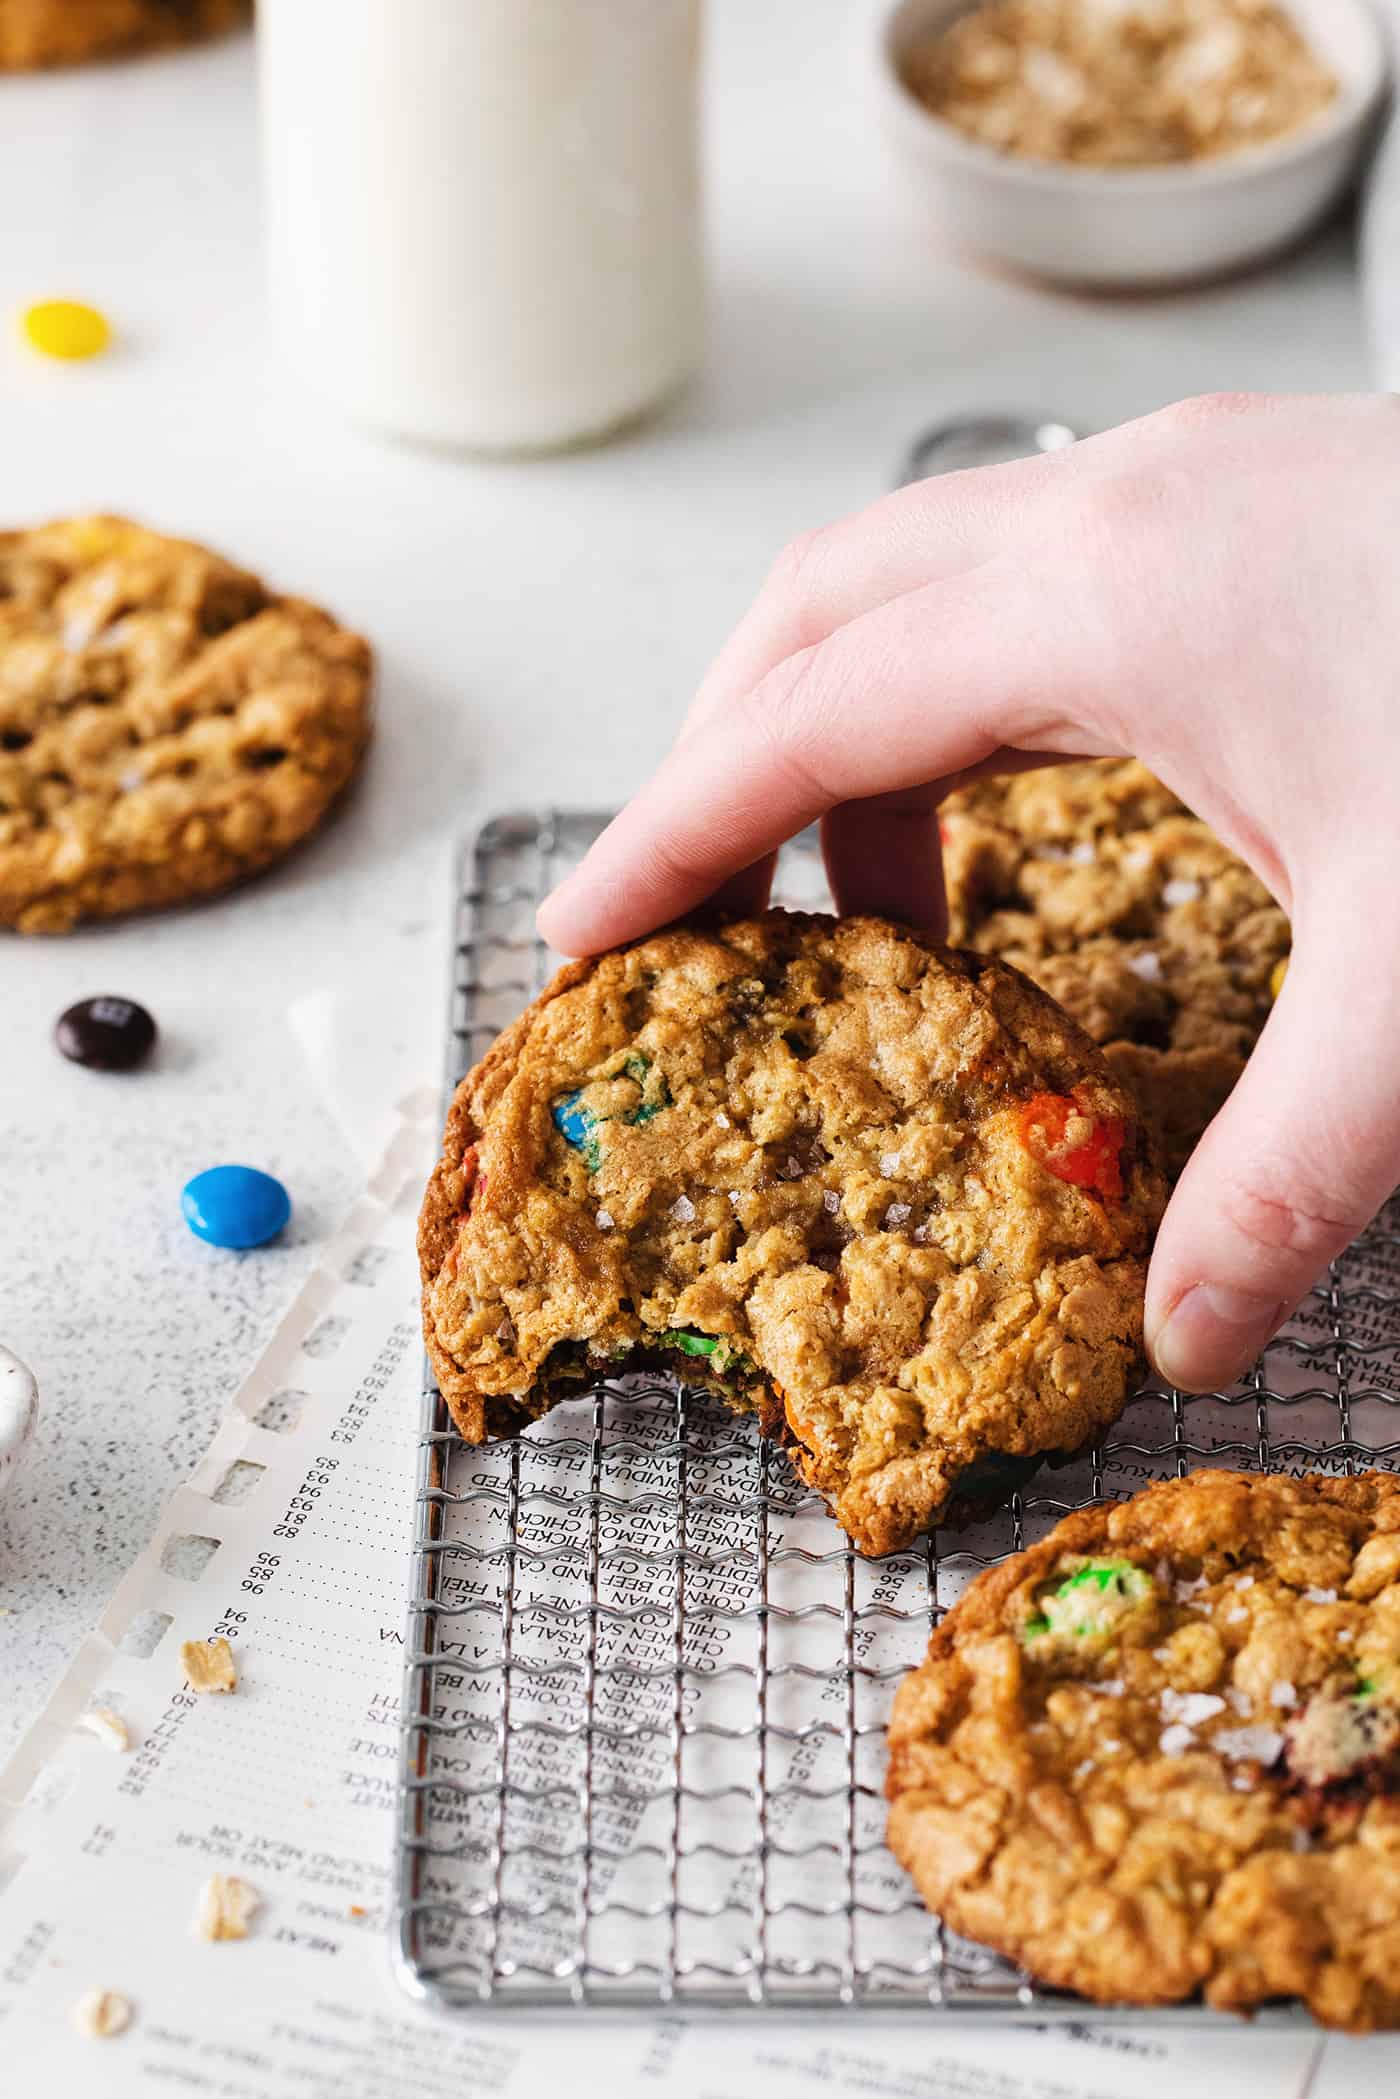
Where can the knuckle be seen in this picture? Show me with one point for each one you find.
(1204, 410)
(794, 578)
(792, 718)
(1118, 506)
(1296, 1223)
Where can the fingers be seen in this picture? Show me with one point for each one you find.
(1300, 1158)
(747, 893)
(883, 855)
(925, 533)
(898, 699)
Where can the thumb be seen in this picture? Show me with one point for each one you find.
(1300, 1158)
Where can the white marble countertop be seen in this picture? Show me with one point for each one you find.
(539, 629)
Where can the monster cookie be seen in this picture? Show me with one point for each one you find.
(167, 725)
(885, 1195)
(68, 32)
(1098, 883)
(1158, 1754)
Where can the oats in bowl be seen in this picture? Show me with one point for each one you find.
(1121, 83)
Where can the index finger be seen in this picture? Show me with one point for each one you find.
(910, 694)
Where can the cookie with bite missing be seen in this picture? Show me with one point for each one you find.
(35, 33)
(168, 724)
(882, 1194)
(1097, 882)
(1157, 1755)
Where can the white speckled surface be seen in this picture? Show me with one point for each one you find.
(540, 628)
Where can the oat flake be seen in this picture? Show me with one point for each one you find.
(208, 1665)
(227, 1905)
(109, 1727)
(101, 2014)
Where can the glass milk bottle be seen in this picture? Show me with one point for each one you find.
(483, 215)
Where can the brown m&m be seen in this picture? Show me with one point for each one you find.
(106, 1034)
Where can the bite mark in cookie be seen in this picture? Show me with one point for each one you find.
(1158, 1754)
(884, 1195)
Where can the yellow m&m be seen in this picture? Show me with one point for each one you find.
(65, 328)
(1279, 972)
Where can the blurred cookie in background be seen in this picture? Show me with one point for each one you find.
(36, 33)
(168, 724)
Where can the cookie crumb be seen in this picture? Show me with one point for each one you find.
(102, 2014)
(208, 1665)
(226, 1907)
(109, 1727)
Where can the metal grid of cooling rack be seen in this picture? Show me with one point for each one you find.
(647, 1681)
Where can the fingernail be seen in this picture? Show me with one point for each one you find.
(1212, 1334)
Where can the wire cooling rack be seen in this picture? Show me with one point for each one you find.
(647, 1680)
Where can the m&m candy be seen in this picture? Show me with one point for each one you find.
(106, 1034)
(65, 328)
(235, 1206)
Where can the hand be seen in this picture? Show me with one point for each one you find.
(1215, 590)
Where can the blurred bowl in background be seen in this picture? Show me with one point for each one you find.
(1126, 227)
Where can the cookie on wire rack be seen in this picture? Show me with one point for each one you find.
(168, 726)
(35, 33)
(1097, 882)
(1158, 1754)
(886, 1196)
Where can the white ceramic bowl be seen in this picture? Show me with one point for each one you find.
(1112, 227)
(19, 1410)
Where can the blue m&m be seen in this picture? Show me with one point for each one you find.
(235, 1206)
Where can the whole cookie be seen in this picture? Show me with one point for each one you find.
(1158, 1754)
(885, 1195)
(167, 725)
(1097, 882)
(68, 32)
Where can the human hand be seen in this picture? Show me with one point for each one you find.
(1213, 590)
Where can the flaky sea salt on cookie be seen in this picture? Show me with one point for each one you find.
(168, 725)
(886, 1196)
(1158, 1754)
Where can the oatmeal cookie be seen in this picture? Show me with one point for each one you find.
(1098, 883)
(37, 33)
(1158, 1754)
(167, 725)
(885, 1195)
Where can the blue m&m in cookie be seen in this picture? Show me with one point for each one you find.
(235, 1206)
